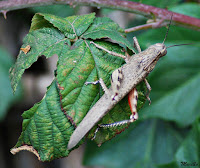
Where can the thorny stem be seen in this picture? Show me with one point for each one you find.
(128, 6)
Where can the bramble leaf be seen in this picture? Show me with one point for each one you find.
(72, 27)
(68, 97)
(106, 28)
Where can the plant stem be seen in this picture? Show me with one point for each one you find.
(128, 6)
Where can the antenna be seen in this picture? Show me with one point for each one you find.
(167, 34)
(179, 45)
(168, 29)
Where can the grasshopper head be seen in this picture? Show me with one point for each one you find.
(161, 48)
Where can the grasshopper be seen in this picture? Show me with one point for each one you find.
(123, 82)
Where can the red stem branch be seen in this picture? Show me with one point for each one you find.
(128, 6)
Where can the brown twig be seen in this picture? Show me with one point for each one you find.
(128, 6)
(156, 24)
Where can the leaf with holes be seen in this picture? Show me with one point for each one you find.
(45, 41)
(48, 35)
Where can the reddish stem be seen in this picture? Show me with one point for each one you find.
(128, 6)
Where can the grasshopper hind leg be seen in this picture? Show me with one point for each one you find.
(132, 99)
(115, 124)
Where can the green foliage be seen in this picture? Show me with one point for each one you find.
(190, 9)
(190, 148)
(48, 125)
(6, 97)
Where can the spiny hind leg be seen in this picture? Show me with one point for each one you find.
(132, 99)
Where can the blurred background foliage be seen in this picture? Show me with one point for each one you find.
(167, 132)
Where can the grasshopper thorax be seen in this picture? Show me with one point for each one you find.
(154, 52)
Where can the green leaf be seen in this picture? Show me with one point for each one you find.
(6, 97)
(46, 41)
(38, 22)
(190, 9)
(106, 28)
(150, 143)
(72, 27)
(157, 3)
(46, 128)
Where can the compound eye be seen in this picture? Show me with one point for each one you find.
(163, 52)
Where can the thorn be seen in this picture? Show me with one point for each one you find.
(4, 12)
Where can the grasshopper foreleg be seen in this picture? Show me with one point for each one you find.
(136, 44)
(149, 90)
(109, 52)
(103, 85)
